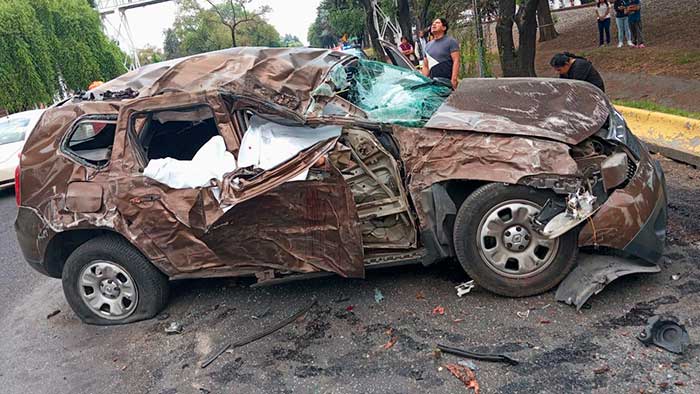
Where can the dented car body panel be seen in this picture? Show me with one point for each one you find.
(563, 110)
(377, 192)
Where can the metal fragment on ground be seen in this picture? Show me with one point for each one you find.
(378, 296)
(665, 332)
(174, 328)
(257, 336)
(593, 273)
(477, 356)
(464, 288)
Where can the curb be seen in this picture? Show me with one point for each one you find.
(672, 136)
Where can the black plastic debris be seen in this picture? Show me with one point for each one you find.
(666, 333)
(499, 358)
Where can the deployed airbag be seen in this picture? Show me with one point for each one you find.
(211, 161)
(266, 144)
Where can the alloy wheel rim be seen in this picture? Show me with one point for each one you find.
(509, 245)
(108, 290)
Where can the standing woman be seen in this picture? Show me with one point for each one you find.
(623, 26)
(602, 11)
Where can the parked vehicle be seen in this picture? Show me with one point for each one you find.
(14, 130)
(279, 163)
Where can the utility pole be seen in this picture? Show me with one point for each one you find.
(480, 52)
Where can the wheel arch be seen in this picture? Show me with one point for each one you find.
(65, 242)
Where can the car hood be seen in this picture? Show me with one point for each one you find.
(558, 109)
(9, 151)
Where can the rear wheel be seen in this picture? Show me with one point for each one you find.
(107, 281)
(498, 247)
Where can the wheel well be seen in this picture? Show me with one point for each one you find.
(64, 243)
(444, 198)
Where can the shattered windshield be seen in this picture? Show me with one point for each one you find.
(388, 94)
(13, 130)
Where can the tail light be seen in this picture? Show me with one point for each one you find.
(17, 196)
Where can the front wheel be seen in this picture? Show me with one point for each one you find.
(107, 281)
(497, 246)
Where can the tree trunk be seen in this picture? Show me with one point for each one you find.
(233, 36)
(507, 54)
(372, 31)
(546, 22)
(526, 19)
(404, 14)
(518, 62)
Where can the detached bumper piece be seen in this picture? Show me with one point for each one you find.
(594, 272)
(666, 333)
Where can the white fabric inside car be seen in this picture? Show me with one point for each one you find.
(266, 144)
(211, 161)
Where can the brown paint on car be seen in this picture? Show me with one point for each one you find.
(488, 130)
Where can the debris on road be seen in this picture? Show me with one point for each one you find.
(163, 316)
(523, 315)
(420, 295)
(501, 358)
(54, 313)
(675, 277)
(341, 299)
(438, 310)
(257, 336)
(261, 314)
(601, 370)
(349, 308)
(468, 364)
(378, 296)
(464, 374)
(666, 333)
(464, 288)
(174, 328)
(391, 343)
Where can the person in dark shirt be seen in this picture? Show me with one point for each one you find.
(570, 66)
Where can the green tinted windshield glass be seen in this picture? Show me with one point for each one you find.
(391, 94)
(13, 130)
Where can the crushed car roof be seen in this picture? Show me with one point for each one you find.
(286, 76)
(559, 109)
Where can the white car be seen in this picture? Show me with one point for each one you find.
(14, 130)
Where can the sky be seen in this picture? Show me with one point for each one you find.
(288, 17)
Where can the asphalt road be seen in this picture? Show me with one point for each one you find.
(338, 347)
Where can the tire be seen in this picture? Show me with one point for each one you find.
(485, 238)
(122, 284)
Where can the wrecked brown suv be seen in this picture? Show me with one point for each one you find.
(279, 163)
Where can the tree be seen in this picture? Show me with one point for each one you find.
(233, 13)
(334, 19)
(44, 41)
(404, 14)
(150, 54)
(518, 62)
(197, 30)
(171, 45)
(372, 33)
(546, 22)
(290, 41)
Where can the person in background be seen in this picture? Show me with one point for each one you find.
(407, 50)
(634, 16)
(420, 45)
(623, 26)
(441, 54)
(603, 12)
(570, 66)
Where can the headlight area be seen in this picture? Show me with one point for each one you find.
(604, 166)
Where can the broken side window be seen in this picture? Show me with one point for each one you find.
(90, 141)
(183, 147)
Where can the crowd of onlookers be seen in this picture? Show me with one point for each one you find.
(628, 18)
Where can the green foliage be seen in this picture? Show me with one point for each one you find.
(44, 40)
(150, 54)
(197, 30)
(335, 18)
(290, 41)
